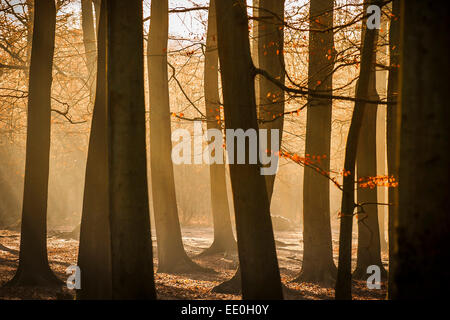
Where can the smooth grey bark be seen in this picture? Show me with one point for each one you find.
(256, 244)
(223, 232)
(33, 261)
(172, 257)
(129, 216)
(318, 265)
(344, 277)
(422, 230)
(94, 253)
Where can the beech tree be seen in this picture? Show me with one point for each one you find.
(270, 41)
(33, 261)
(223, 232)
(344, 276)
(423, 223)
(129, 216)
(256, 245)
(369, 248)
(318, 265)
(171, 254)
(392, 128)
(268, 54)
(94, 253)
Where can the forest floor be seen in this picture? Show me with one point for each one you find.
(63, 253)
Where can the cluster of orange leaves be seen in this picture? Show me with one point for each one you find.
(181, 114)
(377, 181)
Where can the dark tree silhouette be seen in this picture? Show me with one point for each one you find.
(129, 216)
(33, 261)
(223, 232)
(344, 277)
(422, 229)
(256, 243)
(369, 248)
(392, 128)
(318, 265)
(270, 42)
(94, 254)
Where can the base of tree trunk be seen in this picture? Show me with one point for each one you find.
(36, 278)
(184, 265)
(234, 286)
(231, 286)
(324, 275)
(360, 272)
(227, 248)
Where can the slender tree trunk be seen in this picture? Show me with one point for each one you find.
(33, 261)
(318, 265)
(129, 216)
(393, 128)
(256, 243)
(344, 276)
(171, 255)
(369, 250)
(271, 58)
(268, 54)
(87, 23)
(254, 48)
(94, 255)
(381, 84)
(422, 229)
(223, 232)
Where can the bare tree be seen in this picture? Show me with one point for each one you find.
(256, 243)
(129, 216)
(94, 253)
(344, 276)
(392, 130)
(369, 250)
(171, 254)
(318, 265)
(223, 232)
(33, 261)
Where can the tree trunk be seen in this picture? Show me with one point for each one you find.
(271, 58)
(87, 24)
(392, 130)
(422, 229)
(267, 46)
(381, 84)
(94, 255)
(33, 261)
(344, 276)
(256, 243)
(129, 216)
(223, 232)
(171, 255)
(318, 265)
(369, 250)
